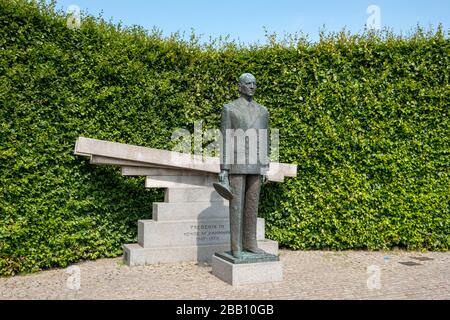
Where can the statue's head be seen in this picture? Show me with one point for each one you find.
(247, 85)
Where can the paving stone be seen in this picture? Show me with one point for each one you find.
(306, 275)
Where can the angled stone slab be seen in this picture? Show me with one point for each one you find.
(99, 160)
(86, 146)
(137, 156)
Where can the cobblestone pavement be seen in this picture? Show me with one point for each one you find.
(307, 275)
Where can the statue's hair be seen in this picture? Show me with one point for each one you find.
(245, 76)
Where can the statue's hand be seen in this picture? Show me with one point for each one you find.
(223, 176)
(264, 179)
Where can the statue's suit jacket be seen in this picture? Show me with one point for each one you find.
(240, 114)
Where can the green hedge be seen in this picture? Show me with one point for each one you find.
(365, 117)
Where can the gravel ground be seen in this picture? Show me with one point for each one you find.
(307, 275)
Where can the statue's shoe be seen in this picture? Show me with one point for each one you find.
(255, 250)
(237, 254)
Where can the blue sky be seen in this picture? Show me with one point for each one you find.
(245, 20)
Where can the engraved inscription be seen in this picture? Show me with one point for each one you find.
(208, 232)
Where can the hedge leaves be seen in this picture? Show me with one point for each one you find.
(365, 117)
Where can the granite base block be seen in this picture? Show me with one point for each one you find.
(180, 233)
(247, 273)
(163, 211)
(135, 255)
(247, 257)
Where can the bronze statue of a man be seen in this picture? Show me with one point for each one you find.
(244, 163)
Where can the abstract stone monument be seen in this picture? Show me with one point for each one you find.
(192, 223)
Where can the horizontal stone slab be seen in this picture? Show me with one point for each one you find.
(153, 233)
(163, 211)
(260, 229)
(146, 171)
(135, 255)
(278, 171)
(180, 181)
(174, 195)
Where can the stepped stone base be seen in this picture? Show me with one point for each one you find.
(135, 255)
(191, 225)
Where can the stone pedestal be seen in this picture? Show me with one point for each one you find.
(246, 273)
(191, 225)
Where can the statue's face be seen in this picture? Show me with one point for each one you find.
(247, 86)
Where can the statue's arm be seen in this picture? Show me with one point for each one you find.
(266, 126)
(225, 163)
(265, 166)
